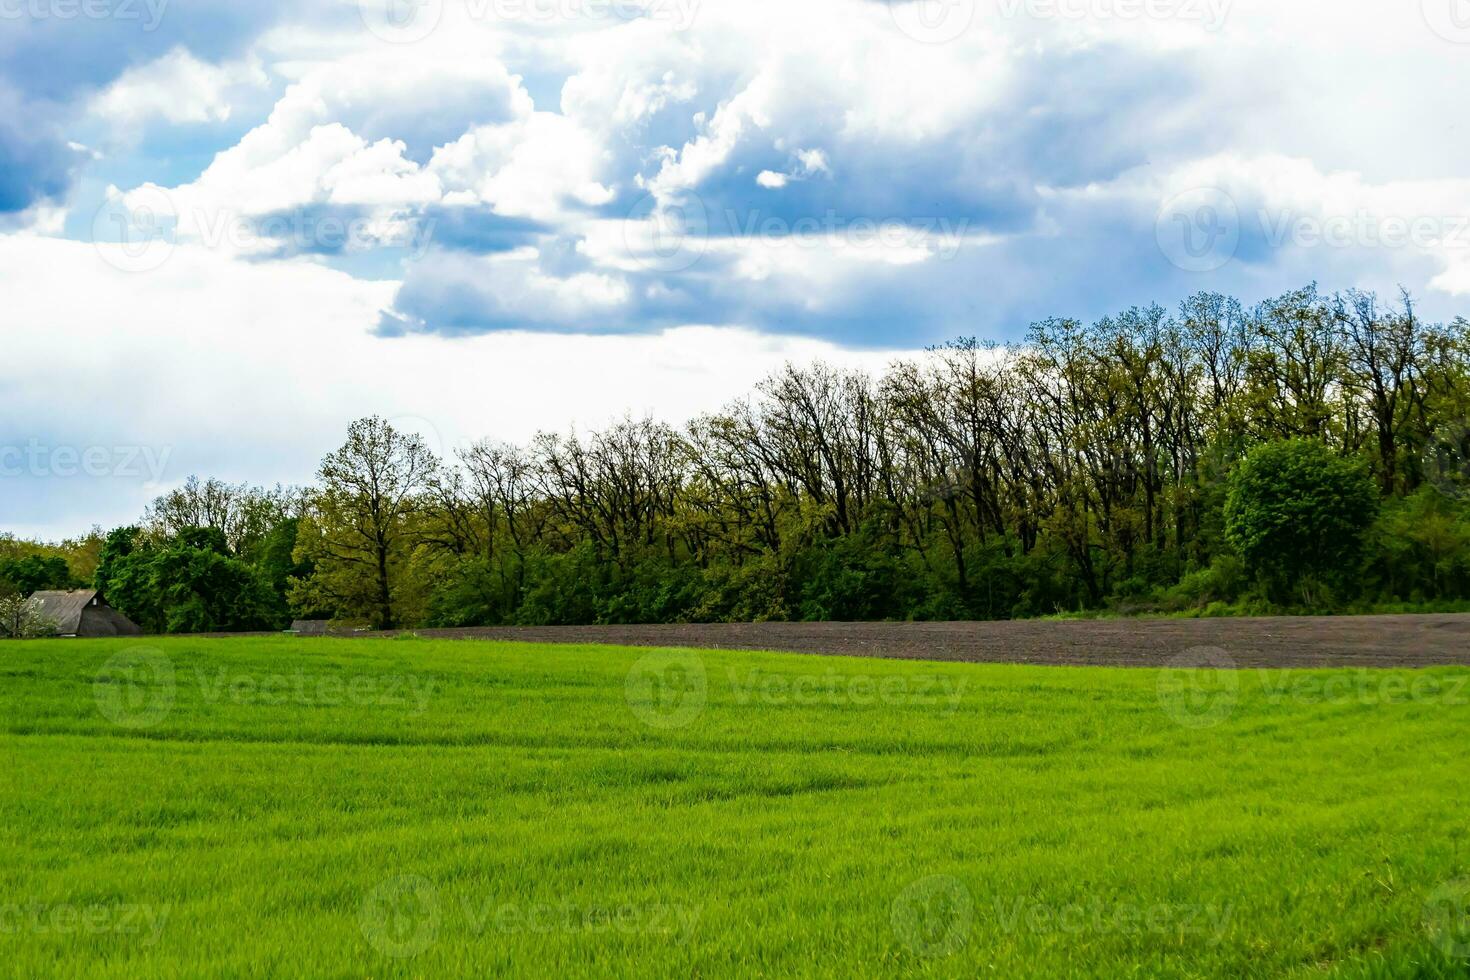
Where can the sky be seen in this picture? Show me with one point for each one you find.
(228, 229)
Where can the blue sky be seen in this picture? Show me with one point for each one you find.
(227, 229)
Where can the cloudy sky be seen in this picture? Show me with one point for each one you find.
(227, 229)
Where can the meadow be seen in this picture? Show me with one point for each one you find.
(381, 808)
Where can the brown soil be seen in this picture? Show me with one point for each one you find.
(1347, 641)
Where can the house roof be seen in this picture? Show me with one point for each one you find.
(64, 608)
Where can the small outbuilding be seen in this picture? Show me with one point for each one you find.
(83, 613)
(310, 627)
(324, 627)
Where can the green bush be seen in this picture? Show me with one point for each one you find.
(35, 573)
(1299, 515)
(188, 584)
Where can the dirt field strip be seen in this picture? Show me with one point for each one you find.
(1339, 641)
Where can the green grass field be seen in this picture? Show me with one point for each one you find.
(365, 808)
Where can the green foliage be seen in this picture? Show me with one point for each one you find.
(189, 584)
(1421, 548)
(36, 573)
(1296, 511)
(359, 535)
(1213, 587)
(472, 592)
(119, 545)
(1217, 458)
(78, 554)
(753, 592)
(853, 579)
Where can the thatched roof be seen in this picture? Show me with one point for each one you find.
(83, 612)
(63, 608)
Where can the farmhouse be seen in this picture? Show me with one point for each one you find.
(84, 612)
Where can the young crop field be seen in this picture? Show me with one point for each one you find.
(384, 808)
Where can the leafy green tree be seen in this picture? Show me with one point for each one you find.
(189, 584)
(36, 573)
(359, 530)
(274, 558)
(203, 591)
(1421, 547)
(79, 554)
(119, 545)
(1296, 511)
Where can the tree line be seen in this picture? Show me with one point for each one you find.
(1304, 453)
